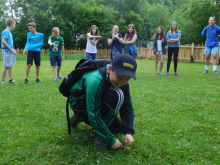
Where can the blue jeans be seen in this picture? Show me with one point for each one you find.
(55, 61)
(88, 55)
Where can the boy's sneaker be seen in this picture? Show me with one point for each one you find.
(3, 82)
(176, 74)
(37, 80)
(155, 74)
(12, 82)
(56, 79)
(167, 74)
(96, 139)
(60, 77)
(160, 74)
(206, 71)
(215, 72)
(75, 120)
(26, 81)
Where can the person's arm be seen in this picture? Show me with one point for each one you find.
(4, 41)
(49, 41)
(177, 39)
(90, 36)
(127, 116)
(63, 52)
(94, 90)
(132, 41)
(94, 42)
(204, 32)
(110, 40)
(120, 38)
(27, 44)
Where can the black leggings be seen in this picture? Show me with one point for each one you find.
(170, 52)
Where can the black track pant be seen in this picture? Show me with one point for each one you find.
(174, 50)
(112, 98)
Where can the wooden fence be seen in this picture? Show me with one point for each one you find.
(185, 53)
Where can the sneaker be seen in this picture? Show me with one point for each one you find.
(96, 139)
(75, 120)
(37, 80)
(176, 74)
(155, 74)
(206, 71)
(215, 72)
(3, 82)
(26, 81)
(160, 74)
(167, 74)
(60, 77)
(12, 82)
(56, 79)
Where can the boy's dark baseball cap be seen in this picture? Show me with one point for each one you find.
(124, 65)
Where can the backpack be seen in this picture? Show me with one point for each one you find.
(81, 68)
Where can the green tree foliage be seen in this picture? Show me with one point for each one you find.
(75, 17)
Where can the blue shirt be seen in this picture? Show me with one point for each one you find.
(9, 39)
(212, 35)
(116, 45)
(174, 36)
(34, 41)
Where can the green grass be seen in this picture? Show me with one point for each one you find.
(176, 119)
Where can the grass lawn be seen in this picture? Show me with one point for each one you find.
(177, 119)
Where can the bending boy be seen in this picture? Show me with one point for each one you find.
(96, 100)
(33, 46)
(8, 52)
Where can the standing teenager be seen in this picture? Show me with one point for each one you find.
(212, 44)
(159, 48)
(92, 40)
(173, 39)
(33, 47)
(115, 40)
(129, 41)
(56, 43)
(8, 51)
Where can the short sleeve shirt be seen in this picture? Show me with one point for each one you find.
(9, 39)
(116, 45)
(55, 50)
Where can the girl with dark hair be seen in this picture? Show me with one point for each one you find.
(173, 39)
(159, 48)
(92, 40)
(129, 41)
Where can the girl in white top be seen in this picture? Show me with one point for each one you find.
(92, 39)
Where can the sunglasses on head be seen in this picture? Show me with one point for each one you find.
(173, 22)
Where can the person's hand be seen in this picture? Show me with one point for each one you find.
(24, 51)
(51, 44)
(117, 145)
(63, 58)
(129, 140)
(13, 52)
(115, 36)
(162, 40)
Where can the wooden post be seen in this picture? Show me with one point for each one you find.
(192, 52)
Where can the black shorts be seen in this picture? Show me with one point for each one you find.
(33, 55)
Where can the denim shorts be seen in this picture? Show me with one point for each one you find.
(55, 61)
(8, 58)
(208, 50)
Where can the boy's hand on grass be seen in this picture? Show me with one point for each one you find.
(129, 140)
(117, 145)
